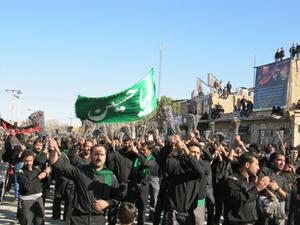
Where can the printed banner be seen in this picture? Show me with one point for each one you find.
(271, 85)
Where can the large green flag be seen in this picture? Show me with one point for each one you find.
(132, 104)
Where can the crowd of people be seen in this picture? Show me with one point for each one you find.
(105, 180)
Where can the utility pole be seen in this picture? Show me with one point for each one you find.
(70, 121)
(159, 73)
(159, 80)
(14, 95)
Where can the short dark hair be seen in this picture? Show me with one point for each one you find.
(289, 160)
(275, 155)
(38, 140)
(98, 145)
(126, 212)
(27, 153)
(246, 157)
(196, 144)
(88, 140)
(126, 139)
(150, 145)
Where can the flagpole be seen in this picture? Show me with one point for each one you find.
(254, 67)
(159, 72)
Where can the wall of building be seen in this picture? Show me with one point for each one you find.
(295, 127)
(294, 83)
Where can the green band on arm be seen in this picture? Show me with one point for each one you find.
(201, 202)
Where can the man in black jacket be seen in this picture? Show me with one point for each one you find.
(196, 151)
(187, 183)
(277, 189)
(40, 160)
(242, 191)
(96, 188)
(144, 166)
(121, 167)
(30, 179)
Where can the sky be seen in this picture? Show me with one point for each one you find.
(55, 50)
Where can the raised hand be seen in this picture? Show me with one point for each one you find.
(53, 145)
(262, 183)
(133, 147)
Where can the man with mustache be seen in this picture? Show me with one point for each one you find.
(96, 188)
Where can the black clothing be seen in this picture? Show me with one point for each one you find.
(29, 182)
(229, 86)
(93, 219)
(63, 190)
(172, 217)
(208, 174)
(119, 164)
(30, 210)
(187, 183)
(280, 179)
(278, 214)
(127, 153)
(292, 51)
(243, 103)
(241, 197)
(40, 159)
(290, 203)
(121, 167)
(139, 179)
(89, 187)
(147, 168)
(220, 171)
(297, 203)
(209, 200)
(11, 154)
(77, 159)
(274, 111)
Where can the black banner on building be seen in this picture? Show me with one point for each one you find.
(271, 85)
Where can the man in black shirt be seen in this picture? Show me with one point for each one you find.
(30, 181)
(277, 189)
(196, 151)
(186, 183)
(242, 191)
(40, 160)
(144, 167)
(121, 167)
(96, 188)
